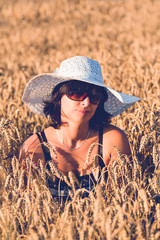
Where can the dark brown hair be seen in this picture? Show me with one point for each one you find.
(52, 108)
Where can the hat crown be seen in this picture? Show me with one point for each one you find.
(81, 68)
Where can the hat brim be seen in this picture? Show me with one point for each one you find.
(39, 89)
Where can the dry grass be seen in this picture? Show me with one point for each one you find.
(123, 35)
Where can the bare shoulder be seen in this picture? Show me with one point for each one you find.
(114, 132)
(31, 142)
(115, 137)
(30, 148)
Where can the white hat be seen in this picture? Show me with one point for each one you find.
(39, 88)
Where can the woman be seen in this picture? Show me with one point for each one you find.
(79, 107)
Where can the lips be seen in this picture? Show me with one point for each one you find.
(83, 111)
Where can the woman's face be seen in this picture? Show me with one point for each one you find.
(80, 111)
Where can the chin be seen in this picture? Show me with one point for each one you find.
(83, 119)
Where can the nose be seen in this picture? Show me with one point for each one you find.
(86, 101)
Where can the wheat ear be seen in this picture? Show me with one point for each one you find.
(90, 151)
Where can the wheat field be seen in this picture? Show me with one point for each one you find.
(124, 36)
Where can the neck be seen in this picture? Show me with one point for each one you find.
(73, 136)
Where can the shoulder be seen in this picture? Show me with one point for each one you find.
(114, 133)
(31, 142)
(114, 137)
(32, 147)
(29, 147)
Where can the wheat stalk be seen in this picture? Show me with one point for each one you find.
(128, 52)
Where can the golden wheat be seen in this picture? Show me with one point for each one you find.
(124, 37)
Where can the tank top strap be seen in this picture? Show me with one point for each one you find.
(44, 137)
(100, 152)
(100, 147)
(46, 151)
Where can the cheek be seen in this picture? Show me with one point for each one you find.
(64, 102)
(67, 105)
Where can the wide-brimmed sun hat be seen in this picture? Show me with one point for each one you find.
(40, 87)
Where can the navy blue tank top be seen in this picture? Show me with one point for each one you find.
(58, 187)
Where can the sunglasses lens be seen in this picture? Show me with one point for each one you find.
(77, 96)
(80, 96)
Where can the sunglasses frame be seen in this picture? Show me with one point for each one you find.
(87, 94)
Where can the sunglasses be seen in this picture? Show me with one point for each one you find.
(81, 95)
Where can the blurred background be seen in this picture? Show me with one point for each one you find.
(124, 37)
